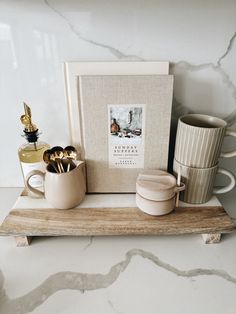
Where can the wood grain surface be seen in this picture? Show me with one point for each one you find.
(115, 221)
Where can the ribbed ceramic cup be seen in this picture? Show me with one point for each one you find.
(199, 182)
(199, 140)
(62, 190)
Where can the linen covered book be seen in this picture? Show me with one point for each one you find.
(125, 126)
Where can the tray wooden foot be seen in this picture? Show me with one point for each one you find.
(23, 241)
(210, 238)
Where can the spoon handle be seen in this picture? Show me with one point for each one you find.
(54, 167)
(62, 169)
(70, 164)
(58, 166)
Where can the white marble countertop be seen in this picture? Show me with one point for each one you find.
(164, 274)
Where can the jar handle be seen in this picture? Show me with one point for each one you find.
(180, 188)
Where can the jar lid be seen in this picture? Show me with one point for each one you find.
(156, 185)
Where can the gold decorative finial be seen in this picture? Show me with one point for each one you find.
(26, 120)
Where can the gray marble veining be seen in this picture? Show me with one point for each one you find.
(188, 67)
(86, 282)
(231, 118)
(112, 306)
(89, 243)
(114, 51)
(229, 48)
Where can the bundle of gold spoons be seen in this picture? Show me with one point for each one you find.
(56, 155)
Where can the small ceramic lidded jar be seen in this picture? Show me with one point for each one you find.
(156, 192)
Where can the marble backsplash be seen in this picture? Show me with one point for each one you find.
(36, 37)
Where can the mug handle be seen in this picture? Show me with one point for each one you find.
(229, 154)
(228, 187)
(31, 174)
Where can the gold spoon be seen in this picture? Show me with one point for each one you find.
(57, 155)
(70, 153)
(47, 159)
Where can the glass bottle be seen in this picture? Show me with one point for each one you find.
(115, 128)
(31, 153)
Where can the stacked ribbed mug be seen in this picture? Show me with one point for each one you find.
(197, 151)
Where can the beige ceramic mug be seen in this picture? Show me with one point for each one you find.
(199, 182)
(62, 190)
(199, 140)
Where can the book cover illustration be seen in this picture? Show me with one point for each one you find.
(126, 133)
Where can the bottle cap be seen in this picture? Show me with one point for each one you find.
(30, 130)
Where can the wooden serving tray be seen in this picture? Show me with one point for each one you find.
(112, 214)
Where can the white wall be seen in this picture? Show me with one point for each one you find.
(198, 37)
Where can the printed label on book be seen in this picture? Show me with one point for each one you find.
(126, 134)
